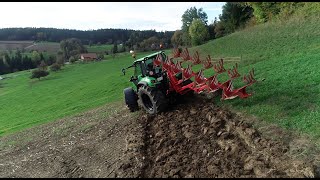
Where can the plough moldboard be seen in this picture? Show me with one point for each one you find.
(202, 84)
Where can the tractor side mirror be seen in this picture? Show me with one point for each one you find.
(123, 71)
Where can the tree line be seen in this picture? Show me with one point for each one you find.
(17, 61)
(89, 37)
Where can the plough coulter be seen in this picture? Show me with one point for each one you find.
(158, 78)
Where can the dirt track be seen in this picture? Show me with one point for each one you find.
(195, 139)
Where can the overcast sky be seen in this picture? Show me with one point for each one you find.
(161, 16)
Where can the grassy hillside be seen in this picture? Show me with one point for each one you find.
(287, 54)
(25, 102)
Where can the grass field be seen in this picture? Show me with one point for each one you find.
(25, 102)
(286, 54)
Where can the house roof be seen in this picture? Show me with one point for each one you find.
(89, 55)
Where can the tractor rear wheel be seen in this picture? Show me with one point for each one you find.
(152, 100)
(131, 99)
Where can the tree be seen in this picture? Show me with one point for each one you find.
(234, 15)
(41, 57)
(198, 32)
(38, 73)
(100, 57)
(51, 59)
(263, 11)
(188, 16)
(149, 44)
(211, 28)
(72, 59)
(71, 47)
(43, 66)
(90, 43)
(193, 13)
(115, 48)
(219, 30)
(41, 36)
(3, 67)
(55, 67)
(35, 57)
(176, 39)
(60, 58)
(27, 63)
(18, 57)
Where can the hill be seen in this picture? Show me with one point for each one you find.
(287, 55)
(284, 53)
(79, 87)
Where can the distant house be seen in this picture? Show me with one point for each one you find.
(88, 57)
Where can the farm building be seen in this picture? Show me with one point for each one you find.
(88, 56)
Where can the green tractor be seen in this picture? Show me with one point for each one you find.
(149, 85)
(158, 80)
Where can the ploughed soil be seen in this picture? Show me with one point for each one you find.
(194, 139)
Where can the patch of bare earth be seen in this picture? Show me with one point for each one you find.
(193, 139)
(199, 139)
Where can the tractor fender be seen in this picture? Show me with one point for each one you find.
(142, 83)
(147, 81)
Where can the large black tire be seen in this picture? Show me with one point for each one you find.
(131, 99)
(152, 100)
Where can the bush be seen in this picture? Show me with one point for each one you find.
(72, 59)
(38, 73)
(43, 66)
(100, 57)
(55, 67)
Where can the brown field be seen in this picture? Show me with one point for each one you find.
(30, 46)
(12, 45)
(44, 47)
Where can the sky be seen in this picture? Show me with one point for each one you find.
(161, 16)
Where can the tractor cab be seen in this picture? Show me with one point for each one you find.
(144, 68)
(147, 66)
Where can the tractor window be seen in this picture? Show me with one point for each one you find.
(149, 65)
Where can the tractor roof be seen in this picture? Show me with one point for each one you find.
(148, 56)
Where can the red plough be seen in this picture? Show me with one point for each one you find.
(201, 83)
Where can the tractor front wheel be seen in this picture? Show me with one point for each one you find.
(152, 100)
(131, 99)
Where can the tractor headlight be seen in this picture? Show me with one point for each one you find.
(160, 78)
(151, 73)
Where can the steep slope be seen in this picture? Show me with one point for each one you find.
(286, 54)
